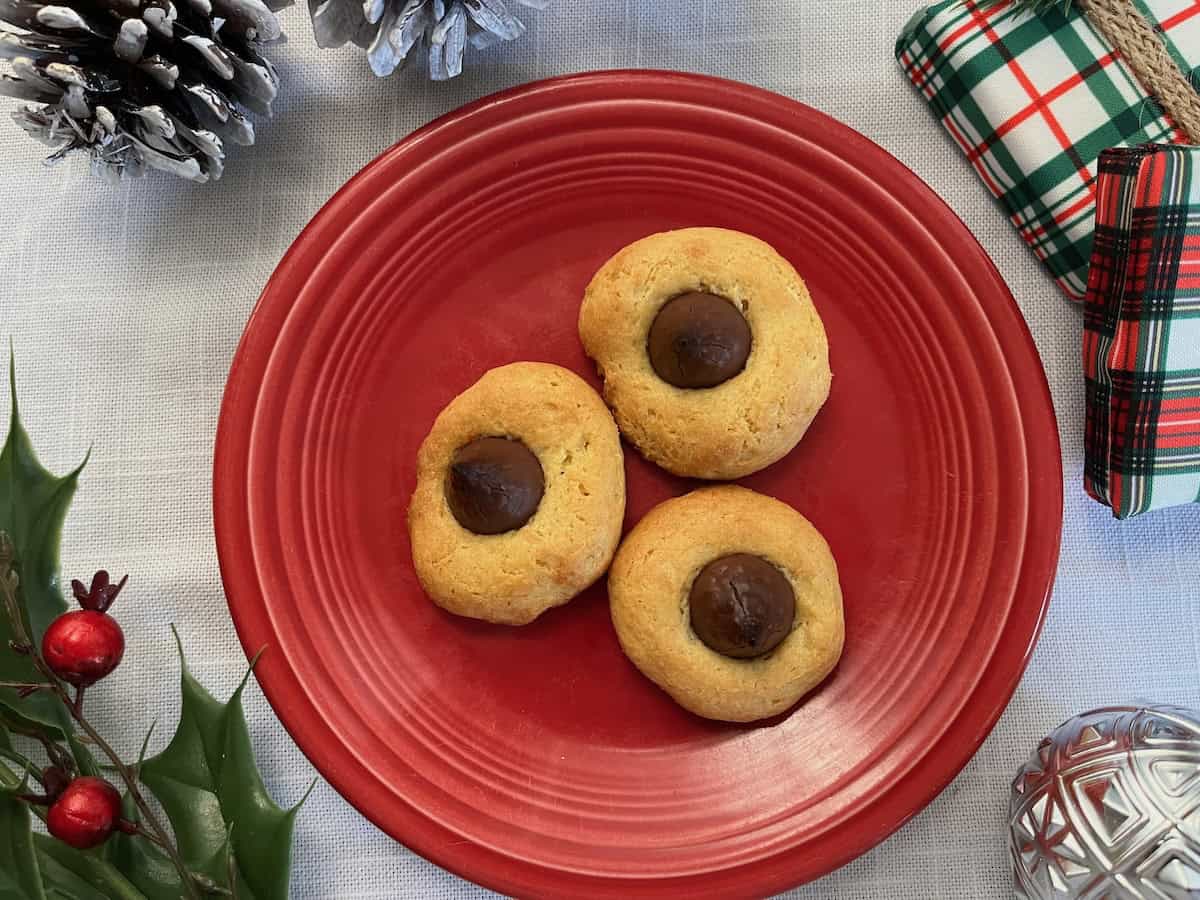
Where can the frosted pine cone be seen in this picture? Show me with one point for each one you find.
(396, 31)
(140, 83)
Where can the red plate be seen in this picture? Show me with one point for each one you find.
(537, 760)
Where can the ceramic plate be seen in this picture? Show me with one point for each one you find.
(537, 760)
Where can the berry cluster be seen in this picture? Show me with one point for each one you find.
(81, 647)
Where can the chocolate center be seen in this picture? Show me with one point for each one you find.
(742, 606)
(698, 341)
(494, 485)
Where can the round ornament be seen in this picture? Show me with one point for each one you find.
(1109, 806)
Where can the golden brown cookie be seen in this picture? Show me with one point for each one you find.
(666, 564)
(554, 531)
(674, 360)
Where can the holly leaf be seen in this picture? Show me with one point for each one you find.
(149, 869)
(67, 870)
(207, 782)
(20, 877)
(17, 724)
(37, 867)
(221, 869)
(145, 865)
(126, 868)
(1036, 7)
(64, 884)
(33, 505)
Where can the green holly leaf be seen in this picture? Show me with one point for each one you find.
(17, 724)
(207, 782)
(220, 870)
(1037, 7)
(226, 825)
(20, 877)
(33, 505)
(145, 866)
(63, 884)
(66, 869)
(37, 867)
(127, 867)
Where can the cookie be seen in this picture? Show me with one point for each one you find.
(520, 495)
(714, 359)
(729, 601)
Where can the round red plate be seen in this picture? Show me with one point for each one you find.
(537, 760)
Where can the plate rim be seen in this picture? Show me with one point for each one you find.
(488, 866)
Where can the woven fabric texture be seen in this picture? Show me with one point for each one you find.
(125, 305)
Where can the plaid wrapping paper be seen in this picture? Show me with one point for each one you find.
(1033, 100)
(1141, 342)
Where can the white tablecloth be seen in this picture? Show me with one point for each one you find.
(125, 305)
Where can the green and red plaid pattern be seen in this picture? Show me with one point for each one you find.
(1141, 340)
(1033, 100)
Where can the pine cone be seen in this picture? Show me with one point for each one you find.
(140, 83)
(395, 31)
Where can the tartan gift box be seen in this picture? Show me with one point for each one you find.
(1033, 100)
(1141, 339)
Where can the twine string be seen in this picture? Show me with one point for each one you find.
(1140, 44)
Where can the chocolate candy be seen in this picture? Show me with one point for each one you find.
(742, 606)
(494, 485)
(698, 341)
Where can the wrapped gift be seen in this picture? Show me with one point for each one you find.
(1033, 100)
(1141, 344)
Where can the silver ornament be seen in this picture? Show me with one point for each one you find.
(393, 32)
(140, 84)
(1108, 808)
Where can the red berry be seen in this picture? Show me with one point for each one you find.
(82, 647)
(85, 814)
